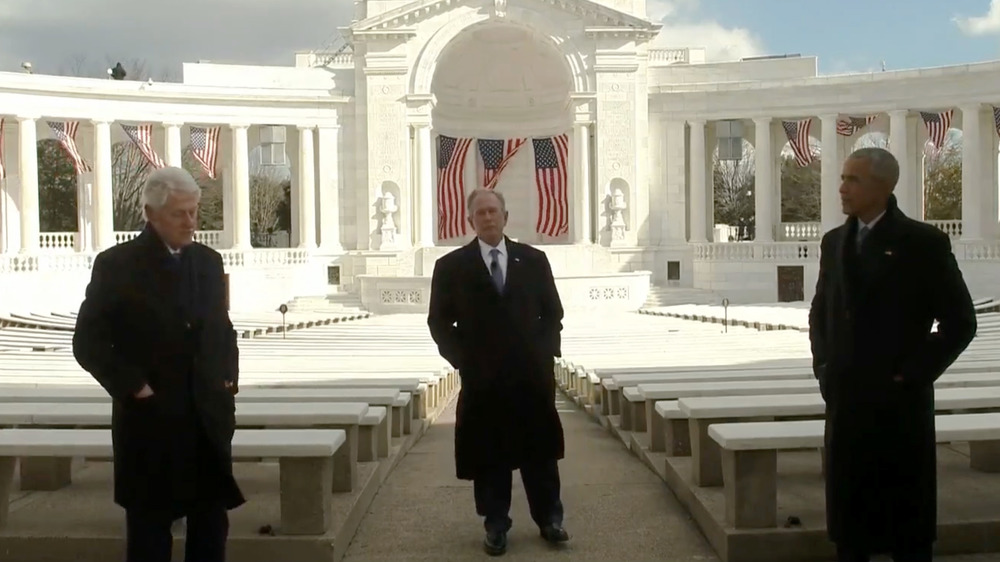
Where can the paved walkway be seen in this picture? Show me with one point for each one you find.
(616, 509)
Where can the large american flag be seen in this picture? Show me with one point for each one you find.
(849, 126)
(65, 132)
(142, 136)
(494, 156)
(937, 126)
(451, 158)
(996, 122)
(551, 171)
(798, 136)
(3, 171)
(205, 148)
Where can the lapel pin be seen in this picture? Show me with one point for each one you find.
(517, 260)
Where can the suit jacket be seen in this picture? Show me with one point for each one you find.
(147, 319)
(870, 322)
(503, 345)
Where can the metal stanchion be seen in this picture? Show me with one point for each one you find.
(725, 314)
(283, 309)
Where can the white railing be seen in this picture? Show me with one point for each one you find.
(66, 241)
(748, 251)
(74, 261)
(789, 231)
(668, 56)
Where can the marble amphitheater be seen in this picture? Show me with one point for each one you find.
(662, 388)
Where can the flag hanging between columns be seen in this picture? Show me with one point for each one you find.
(551, 171)
(142, 137)
(798, 136)
(847, 127)
(205, 148)
(494, 156)
(3, 171)
(451, 159)
(996, 123)
(937, 126)
(65, 132)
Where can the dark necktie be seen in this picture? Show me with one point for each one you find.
(862, 234)
(495, 271)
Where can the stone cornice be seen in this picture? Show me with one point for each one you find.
(592, 12)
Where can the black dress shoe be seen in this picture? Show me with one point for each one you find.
(554, 534)
(495, 543)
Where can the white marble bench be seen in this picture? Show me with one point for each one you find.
(305, 457)
(374, 435)
(750, 458)
(39, 473)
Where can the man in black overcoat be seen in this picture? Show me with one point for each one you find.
(496, 316)
(155, 332)
(883, 281)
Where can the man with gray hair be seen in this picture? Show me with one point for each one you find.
(154, 331)
(496, 316)
(884, 279)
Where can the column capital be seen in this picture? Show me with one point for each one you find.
(23, 118)
(238, 126)
(897, 113)
(173, 124)
(762, 120)
(971, 107)
(697, 122)
(101, 121)
(304, 128)
(586, 122)
(828, 117)
(418, 123)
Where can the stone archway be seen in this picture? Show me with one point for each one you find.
(500, 80)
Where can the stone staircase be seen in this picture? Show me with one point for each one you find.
(670, 296)
(334, 303)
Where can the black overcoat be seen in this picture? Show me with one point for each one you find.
(503, 346)
(147, 319)
(870, 322)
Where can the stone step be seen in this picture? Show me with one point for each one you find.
(668, 296)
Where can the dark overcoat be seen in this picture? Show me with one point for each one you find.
(148, 319)
(503, 346)
(870, 322)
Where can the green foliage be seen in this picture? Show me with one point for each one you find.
(57, 188)
(800, 191)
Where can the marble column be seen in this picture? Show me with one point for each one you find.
(240, 167)
(28, 171)
(328, 178)
(699, 197)
(831, 211)
(580, 225)
(173, 144)
(764, 187)
(424, 196)
(103, 190)
(900, 134)
(306, 207)
(972, 137)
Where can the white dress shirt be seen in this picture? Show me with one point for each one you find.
(485, 249)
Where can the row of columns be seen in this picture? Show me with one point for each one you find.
(979, 176)
(237, 186)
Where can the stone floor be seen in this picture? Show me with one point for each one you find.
(616, 508)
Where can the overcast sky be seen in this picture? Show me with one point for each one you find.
(846, 35)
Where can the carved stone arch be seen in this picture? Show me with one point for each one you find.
(422, 74)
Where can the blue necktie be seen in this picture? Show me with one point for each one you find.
(495, 271)
(862, 234)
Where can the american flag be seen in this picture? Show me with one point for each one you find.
(996, 123)
(798, 136)
(494, 155)
(65, 132)
(205, 148)
(551, 170)
(851, 125)
(142, 136)
(937, 126)
(451, 157)
(3, 171)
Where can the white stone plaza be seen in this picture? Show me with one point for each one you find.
(606, 149)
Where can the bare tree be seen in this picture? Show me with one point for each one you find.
(267, 192)
(129, 169)
(733, 187)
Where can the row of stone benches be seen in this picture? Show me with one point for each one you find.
(317, 434)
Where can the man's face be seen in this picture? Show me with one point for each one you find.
(177, 219)
(487, 218)
(860, 192)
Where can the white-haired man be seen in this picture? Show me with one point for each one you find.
(155, 332)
